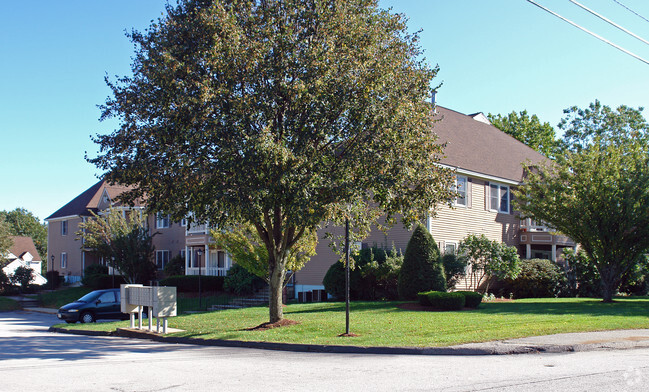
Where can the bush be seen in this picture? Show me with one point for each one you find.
(374, 276)
(240, 281)
(54, 280)
(471, 298)
(539, 278)
(175, 266)
(454, 268)
(189, 283)
(102, 281)
(95, 269)
(422, 298)
(22, 276)
(334, 281)
(446, 301)
(5, 283)
(421, 270)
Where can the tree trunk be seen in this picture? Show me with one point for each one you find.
(608, 284)
(276, 285)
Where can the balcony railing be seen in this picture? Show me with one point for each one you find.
(197, 229)
(209, 271)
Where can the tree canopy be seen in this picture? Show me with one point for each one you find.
(24, 223)
(597, 191)
(5, 241)
(529, 130)
(123, 240)
(282, 114)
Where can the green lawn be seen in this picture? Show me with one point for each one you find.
(384, 324)
(8, 304)
(58, 298)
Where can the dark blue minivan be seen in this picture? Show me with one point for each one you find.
(98, 304)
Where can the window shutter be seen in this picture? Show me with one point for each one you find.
(469, 192)
(487, 196)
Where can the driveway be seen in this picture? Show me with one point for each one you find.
(32, 359)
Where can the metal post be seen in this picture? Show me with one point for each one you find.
(200, 294)
(347, 276)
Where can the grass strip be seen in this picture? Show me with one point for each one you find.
(384, 324)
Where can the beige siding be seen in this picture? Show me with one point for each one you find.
(451, 225)
(69, 244)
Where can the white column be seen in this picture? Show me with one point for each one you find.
(186, 259)
(207, 258)
(554, 253)
(528, 251)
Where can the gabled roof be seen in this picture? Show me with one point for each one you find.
(89, 200)
(479, 147)
(22, 245)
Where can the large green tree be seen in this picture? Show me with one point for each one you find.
(597, 191)
(281, 114)
(25, 223)
(529, 130)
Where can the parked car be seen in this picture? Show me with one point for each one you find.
(98, 304)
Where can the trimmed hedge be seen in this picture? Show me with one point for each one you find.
(471, 298)
(189, 283)
(446, 301)
(442, 300)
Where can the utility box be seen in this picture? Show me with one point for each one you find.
(160, 300)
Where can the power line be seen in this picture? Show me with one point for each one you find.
(609, 21)
(632, 11)
(590, 32)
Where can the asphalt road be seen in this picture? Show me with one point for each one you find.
(32, 359)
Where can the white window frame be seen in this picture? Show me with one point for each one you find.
(183, 222)
(456, 202)
(161, 221)
(499, 197)
(447, 243)
(64, 227)
(160, 260)
(64, 260)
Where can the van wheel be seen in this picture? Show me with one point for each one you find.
(87, 317)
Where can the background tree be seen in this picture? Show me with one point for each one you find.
(281, 114)
(597, 192)
(529, 130)
(123, 241)
(488, 259)
(602, 125)
(422, 269)
(22, 276)
(5, 241)
(242, 242)
(24, 223)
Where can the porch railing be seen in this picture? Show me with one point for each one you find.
(209, 271)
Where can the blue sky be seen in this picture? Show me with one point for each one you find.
(495, 57)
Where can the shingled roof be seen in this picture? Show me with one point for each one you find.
(479, 147)
(21, 245)
(89, 200)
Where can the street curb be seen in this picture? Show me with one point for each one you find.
(333, 349)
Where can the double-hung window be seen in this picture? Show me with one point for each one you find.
(499, 198)
(161, 258)
(461, 183)
(64, 227)
(162, 221)
(64, 260)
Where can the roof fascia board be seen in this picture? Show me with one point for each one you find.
(60, 218)
(482, 176)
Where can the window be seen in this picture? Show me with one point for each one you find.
(107, 298)
(64, 227)
(183, 222)
(461, 183)
(162, 221)
(161, 258)
(182, 254)
(221, 260)
(450, 248)
(64, 260)
(499, 198)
